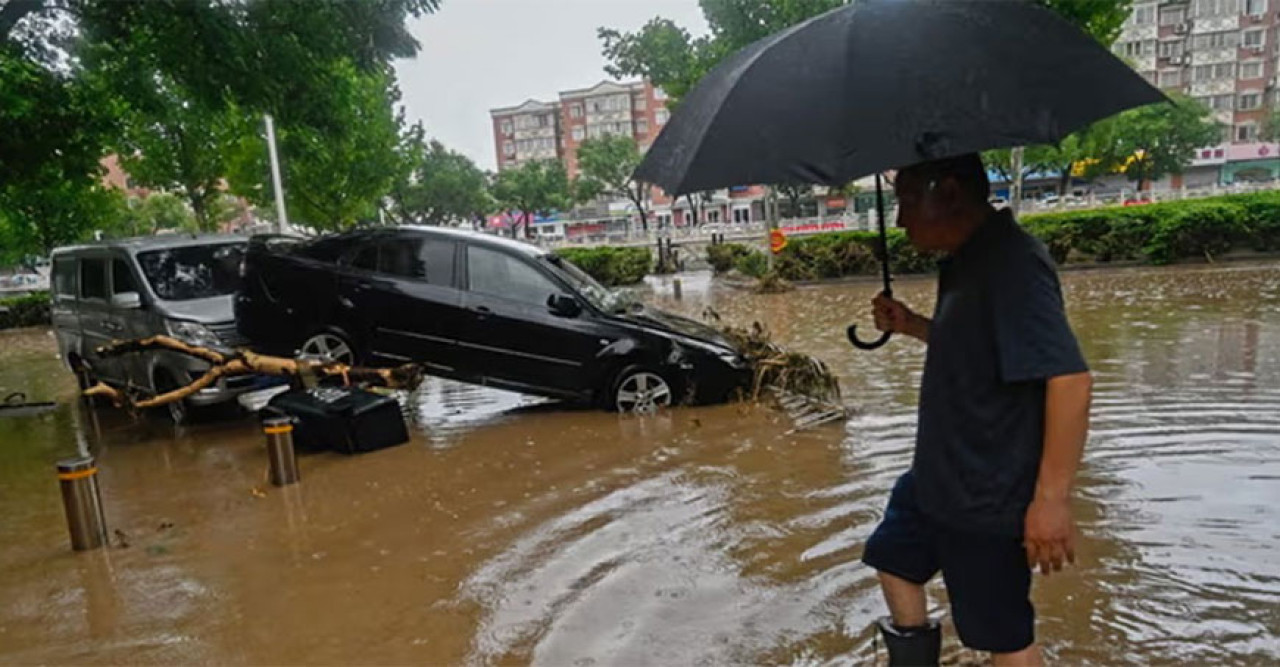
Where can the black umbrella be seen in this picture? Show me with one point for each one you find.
(882, 84)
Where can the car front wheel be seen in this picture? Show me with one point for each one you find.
(639, 390)
(329, 346)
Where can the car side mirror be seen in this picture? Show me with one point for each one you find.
(126, 301)
(564, 305)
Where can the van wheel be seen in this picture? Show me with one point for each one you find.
(639, 390)
(177, 412)
(329, 346)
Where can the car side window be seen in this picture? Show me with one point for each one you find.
(93, 278)
(399, 257)
(64, 277)
(366, 257)
(437, 256)
(499, 274)
(122, 278)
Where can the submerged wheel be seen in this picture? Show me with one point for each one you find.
(638, 390)
(329, 346)
(177, 412)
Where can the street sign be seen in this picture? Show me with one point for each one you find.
(777, 241)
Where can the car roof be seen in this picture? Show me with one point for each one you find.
(473, 237)
(156, 242)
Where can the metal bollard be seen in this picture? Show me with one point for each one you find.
(675, 287)
(82, 501)
(284, 465)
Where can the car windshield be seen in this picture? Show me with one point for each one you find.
(193, 272)
(600, 296)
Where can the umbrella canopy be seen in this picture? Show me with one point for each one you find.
(881, 84)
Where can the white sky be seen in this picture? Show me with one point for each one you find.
(480, 54)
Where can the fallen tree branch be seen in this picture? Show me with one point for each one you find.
(240, 363)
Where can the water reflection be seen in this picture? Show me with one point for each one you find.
(515, 530)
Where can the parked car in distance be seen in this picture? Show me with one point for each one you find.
(479, 309)
(998, 203)
(178, 285)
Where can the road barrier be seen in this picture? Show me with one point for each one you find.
(284, 464)
(82, 501)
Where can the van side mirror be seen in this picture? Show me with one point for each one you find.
(564, 305)
(126, 301)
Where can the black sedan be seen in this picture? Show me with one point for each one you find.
(479, 309)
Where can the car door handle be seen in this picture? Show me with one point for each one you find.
(111, 326)
(345, 302)
(482, 310)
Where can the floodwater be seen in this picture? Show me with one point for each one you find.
(511, 531)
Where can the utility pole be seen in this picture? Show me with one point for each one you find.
(282, 220)
(1015, 191)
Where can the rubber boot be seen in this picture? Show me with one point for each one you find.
(912, 647)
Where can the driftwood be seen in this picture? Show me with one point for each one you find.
(242, 362)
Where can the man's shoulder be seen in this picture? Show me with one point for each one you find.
(1017, 251)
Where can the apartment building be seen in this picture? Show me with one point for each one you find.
(1223, 53)
(530, 131)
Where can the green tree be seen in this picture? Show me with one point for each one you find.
(794, 192)
(440, 186)
(1150, 142)
(669, 56)
(1270, 130)
(333, 176)
(607, 165)
(537, 187)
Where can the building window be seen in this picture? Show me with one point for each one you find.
(578, 133)
(1211, 72)
(1170, 78)
(575, 111)
(660, 116)
(1250, 101)
(640, 104)
(1254, 38)
(506, 127)
(1255, 7)
(1171, 48)
(1144, 15)
(508, 148)
(1173, 15)
(1131, 49)
(642, 127)
(1251, 70)
(1247, 132)
(1210, 8)
(1215, 40)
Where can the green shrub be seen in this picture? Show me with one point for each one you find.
(1196, 229)
(24, 311)
(754, 263)
(723, 256)
(612, 266)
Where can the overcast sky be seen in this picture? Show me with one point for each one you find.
(480, 54)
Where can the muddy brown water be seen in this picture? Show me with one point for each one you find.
(512, 531)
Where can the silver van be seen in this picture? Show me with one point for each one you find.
(178, 285)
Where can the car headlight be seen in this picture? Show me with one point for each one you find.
(193, 333)
(727, 355)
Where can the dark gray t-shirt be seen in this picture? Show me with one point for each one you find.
(999, 332)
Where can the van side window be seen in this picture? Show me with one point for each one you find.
(438, 256)
(64, 277)
(122, 278)
(93, 278)
(400, 258)
(499, 274)
(366, 258)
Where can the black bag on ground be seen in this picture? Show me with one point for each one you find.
(343, 419)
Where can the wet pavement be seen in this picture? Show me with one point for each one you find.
(512, 531)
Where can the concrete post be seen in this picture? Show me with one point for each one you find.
(82, 501)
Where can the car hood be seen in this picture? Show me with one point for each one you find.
(658, 319)
(212, 310)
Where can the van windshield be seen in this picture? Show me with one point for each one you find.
(193, 272)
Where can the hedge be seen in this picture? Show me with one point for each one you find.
(612, 266)
(1155, 233)
(24, 311)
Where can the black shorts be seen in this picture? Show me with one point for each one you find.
(987, 576)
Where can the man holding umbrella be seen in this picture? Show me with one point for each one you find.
(1004, 407)
(883, 84)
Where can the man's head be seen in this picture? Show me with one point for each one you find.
(941, 202)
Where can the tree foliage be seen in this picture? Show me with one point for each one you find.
(1150, 142)
(537, 187)
(607, 165)
(440, 186)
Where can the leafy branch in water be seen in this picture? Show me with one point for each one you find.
(777, 368)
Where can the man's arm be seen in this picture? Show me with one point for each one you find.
(1050, 529)
(893, 315)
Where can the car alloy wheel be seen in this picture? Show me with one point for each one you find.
(642, 392)
(329, 347)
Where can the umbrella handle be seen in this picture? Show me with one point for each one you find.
(852, 332)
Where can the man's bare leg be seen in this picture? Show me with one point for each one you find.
(1027, 657)
(906, 600)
